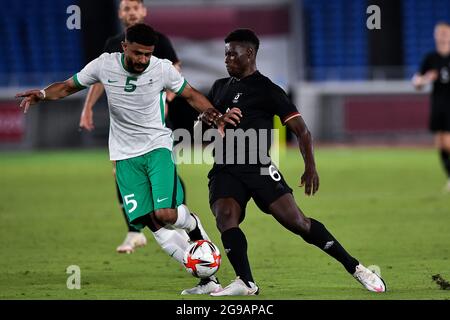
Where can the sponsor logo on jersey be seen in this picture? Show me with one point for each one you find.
(236, 98)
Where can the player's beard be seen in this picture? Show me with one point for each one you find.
(132, 66)
(232, 72)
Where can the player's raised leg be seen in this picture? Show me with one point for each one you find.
(287, 213)
(168, 195)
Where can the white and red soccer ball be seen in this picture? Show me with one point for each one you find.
(202, 259)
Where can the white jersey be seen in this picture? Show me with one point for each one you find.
(136, 102)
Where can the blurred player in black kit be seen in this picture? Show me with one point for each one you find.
(254, 100)
(130, 13)
(435, 69)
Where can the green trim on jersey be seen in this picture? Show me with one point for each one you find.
(122, 61)
(77, 83)
(182, 87)
(162, 107)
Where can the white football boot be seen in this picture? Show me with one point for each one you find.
(369, 279)
(132, 240)
(200, 227)
(205, 286)
(237, 288)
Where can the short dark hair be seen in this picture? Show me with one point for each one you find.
(243, 35)
(142, 34)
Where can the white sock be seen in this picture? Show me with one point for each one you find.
(185, 220)
(173, 241)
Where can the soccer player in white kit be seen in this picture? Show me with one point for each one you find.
(139, 142)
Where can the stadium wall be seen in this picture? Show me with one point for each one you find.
(387, 112)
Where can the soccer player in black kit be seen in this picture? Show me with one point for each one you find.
(254, 100)
(130, 13)
(435, 68)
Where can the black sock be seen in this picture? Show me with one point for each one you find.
(321, 238)
(124, 213)
(445, 158)
(235, 245)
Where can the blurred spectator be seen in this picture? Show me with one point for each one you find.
(435, 69)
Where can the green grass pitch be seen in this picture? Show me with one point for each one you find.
(384, 205)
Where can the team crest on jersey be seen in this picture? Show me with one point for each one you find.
(236, 98)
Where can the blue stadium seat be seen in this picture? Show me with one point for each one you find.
(36, 45)
(336, 39)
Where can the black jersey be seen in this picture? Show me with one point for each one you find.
(163, 48)
(441, 87)
(259, 100)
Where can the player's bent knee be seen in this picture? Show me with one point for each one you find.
(226, 218)
(166, 216)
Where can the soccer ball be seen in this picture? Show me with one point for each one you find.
(202, 259)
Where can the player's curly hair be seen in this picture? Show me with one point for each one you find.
(243, 35)
(142, 34)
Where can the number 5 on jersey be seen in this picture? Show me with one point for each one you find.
(128, 200)
(130, 87)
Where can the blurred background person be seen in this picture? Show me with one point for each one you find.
(435, 69)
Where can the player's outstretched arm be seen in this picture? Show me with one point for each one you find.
(419, 80)
(55, 91)
(310, 178)
(87, 114)
(199, 102)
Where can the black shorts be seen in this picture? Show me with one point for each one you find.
(440, 118)
(242, 182)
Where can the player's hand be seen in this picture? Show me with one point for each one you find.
(431, 75)
(30, 97)
(310, 179)
(232, 117)
(210, 116)
(417, 82)
(87, 119)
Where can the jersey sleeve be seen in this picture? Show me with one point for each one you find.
(282, 105)
(90, 74)
(173, 80)
(427, 64)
